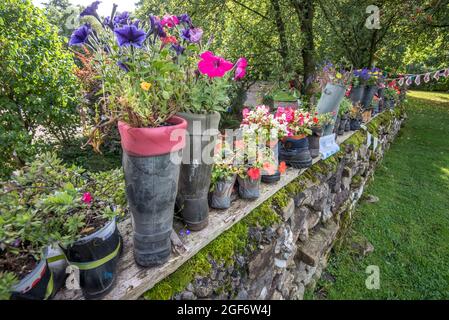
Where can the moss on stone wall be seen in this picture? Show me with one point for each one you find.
(223, 249)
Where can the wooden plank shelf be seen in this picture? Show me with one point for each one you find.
(133, 280)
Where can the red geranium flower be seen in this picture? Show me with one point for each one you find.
(254, 173)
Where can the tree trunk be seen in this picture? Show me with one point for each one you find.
(305, 10)
(282, 37)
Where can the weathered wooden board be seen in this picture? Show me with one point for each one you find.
(133, 280)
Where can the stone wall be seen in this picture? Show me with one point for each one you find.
(281, 248)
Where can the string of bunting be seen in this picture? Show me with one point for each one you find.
(409, 79)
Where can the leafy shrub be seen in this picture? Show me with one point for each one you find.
(47, 202)
(37, 85)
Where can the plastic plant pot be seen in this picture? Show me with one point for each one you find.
(37, 285)
(348, 125)
(221, 196)
(195, 175)
(151, 162)
(248, 188)
(272, 178)
(355, 124)
(96, 256)
(295, 152)
(342, 125)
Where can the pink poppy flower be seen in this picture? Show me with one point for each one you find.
(169, 21)
(213, 66)
(240, 70)
(87, 198)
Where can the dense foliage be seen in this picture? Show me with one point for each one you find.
(37, 85)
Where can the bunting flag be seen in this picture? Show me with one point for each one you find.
(418, 80)
(436, 76)
(409, 81)
(446, 73)
(427, 77)
(401, 82)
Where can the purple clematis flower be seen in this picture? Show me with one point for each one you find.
(80, 35)
(178, 49)
(122, 18)
(91, 10)
(130, 35)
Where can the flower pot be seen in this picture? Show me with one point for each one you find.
(221, 196)
(342, 125)
(272, 178)
(151, 177)
(381, 95)
(195, 175)
(356, 94)
(348, 125)
(249, 188)
(354, 124)
(37, 285)
(368, 95)
(96, 256)
(295, 152)
(330, 100)
(314, 142)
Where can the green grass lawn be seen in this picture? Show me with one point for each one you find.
(409, 226)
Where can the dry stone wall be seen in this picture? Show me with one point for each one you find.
(281, 248)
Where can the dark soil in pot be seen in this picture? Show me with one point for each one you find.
(35, 277)
(249, 188)
(295, 152)
(97, 256)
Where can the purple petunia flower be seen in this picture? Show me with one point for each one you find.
(80, 35)
(123, 66)
(130, 35)
(122, 18)
(91, 10)
(178, 49)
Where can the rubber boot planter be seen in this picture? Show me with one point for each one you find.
(356, 94)
(368, 96)
(194, 179)
(348, 125)
(151, 184)
(267, 178)
(221, 196)
(37, 285)
(248, 188)
(330, 101)
(314, 142)
(96, 256)
(295, 152)
(355, 124)
(343, 121)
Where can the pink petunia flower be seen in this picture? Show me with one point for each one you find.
(87, 198)
(240, 70)
(213, 66)
(169, 21)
